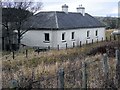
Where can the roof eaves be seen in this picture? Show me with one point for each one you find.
(65, 28)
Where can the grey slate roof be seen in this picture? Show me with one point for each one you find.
(61, 20)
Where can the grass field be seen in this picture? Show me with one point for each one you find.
(46, 63)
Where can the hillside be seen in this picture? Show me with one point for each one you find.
(110, 22)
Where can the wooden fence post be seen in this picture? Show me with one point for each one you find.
(13, 55)
(97, 40)
(118, 68)
(102, 39)
(66, 45)
(80, 44)
(92, 41)
(86, 42)
(106, 39)
(73, 44)
(26, 53)
(110, 38)
(61, 79)
(105, 69)
(114, 37)
(38, 52)
(84, 75)
(48, 47)
(58, 47)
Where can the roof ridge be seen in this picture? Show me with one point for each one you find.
(56, 20)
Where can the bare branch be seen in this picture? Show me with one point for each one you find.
(18, 12)
(4, 25)
(36, 7)
(26, 5)
(23, 32)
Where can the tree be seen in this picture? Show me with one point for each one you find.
(10, 19)
(118, 22)
(110, 22)
(29, 5)
(17, 12)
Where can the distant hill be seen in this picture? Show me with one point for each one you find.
(110, 22)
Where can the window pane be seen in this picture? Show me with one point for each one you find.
(72, 35)
(96, 33)
(88, 32)
(63, 36)
(46, 36)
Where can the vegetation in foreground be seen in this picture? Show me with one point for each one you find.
(47, 63)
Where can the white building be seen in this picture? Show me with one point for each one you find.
(55, 28)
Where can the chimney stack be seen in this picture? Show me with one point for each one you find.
(65, 8)
(81, 10)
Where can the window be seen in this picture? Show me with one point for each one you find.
(96, 33)
(63, 36)
(73, 33)
(88, 34)
(47, 37)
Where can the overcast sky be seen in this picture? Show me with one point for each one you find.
(93, 7)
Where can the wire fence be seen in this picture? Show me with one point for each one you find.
(94, 74)
(37, 51)
(88, 75)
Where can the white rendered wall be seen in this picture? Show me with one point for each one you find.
(80, 35)
(36, 37)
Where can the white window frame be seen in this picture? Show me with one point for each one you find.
(45, 40)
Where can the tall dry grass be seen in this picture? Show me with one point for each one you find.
(24, 74)
(47, 64)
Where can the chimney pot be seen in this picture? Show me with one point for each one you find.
(81, 10)
(65, 8)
